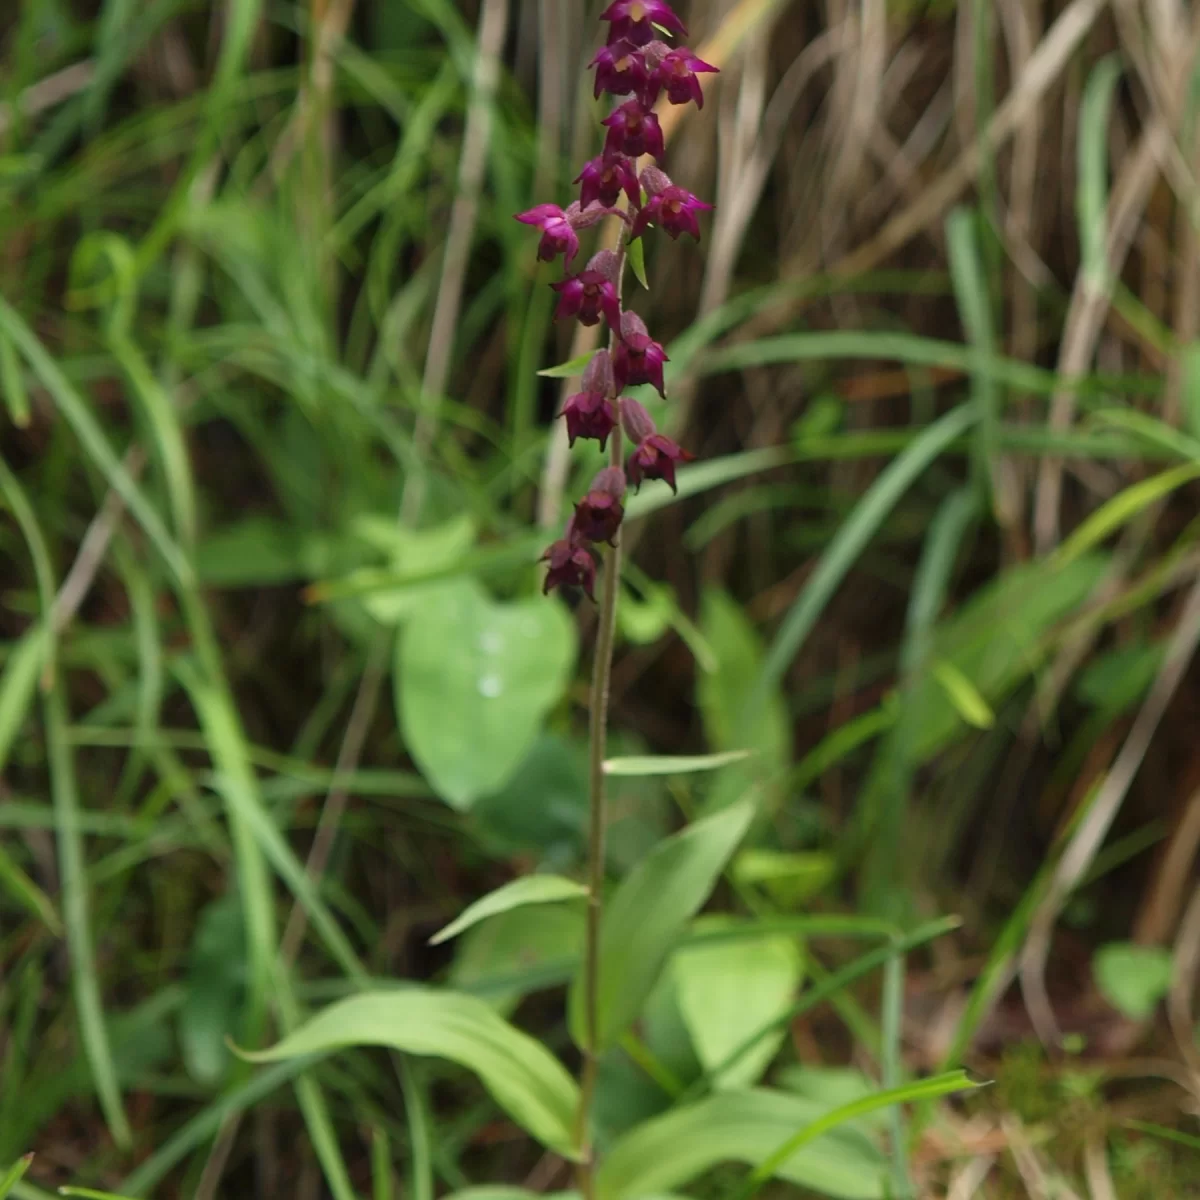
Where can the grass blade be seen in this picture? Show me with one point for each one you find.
(853, 536)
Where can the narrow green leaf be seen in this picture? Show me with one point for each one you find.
(668, 764)
(85, 978)
(925, 1089)
(964, 695)
(854, 534)
(12, 383)
(1168, 1135)
(90, 1193)
(18, 686)
(27, 893)
(14, 1174)
(1151, 429)
(569, 369)
(525, 1079)
(1189, 370)
(650, 910)
(532, 889)
(1091, 197)
(1123, 507)
(636, 257)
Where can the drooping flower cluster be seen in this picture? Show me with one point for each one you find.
(637, 63)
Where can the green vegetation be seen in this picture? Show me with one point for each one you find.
(293, 752)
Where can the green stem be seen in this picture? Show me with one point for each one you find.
(597, 819)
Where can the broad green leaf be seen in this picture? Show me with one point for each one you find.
(964, 695)
(14, 1175)
(636, 256)
(745, 1127)
(729, 990)
(532, 889)
(650, 910)
(789, 878)
(1119, 678)
(672, 764)
(216, 987)
(543, 808)
(1132, 978)
(474, 681)
(416, 552)
(736, 715)
(524, 1078)
(517, 952)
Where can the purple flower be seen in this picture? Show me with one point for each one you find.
(634, 20)
(588, 295)
(571, 565)
(674, 209)
(605, 178)
(590, 415)
(598, 515)
(634, 131)
(655, 458)
(638, 358)
(558, 236)
(676, 71)
(620, 69)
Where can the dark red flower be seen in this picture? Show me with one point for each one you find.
(638, 358)
(571, 565)
(590, 415)
(620, 69)
(598, 515)
(587, 296)
(676, 71)
(655, 458)
(558, 236)
(605, 178)
(634, 20)
(673, 210)
(633, 130)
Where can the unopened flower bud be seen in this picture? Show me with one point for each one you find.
(654, 181)
(636, 420)
(597, 375)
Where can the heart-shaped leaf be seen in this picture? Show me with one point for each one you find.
(474, 681)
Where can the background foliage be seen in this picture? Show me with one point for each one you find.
(278, 699)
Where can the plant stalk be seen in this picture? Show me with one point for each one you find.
(597, 816)
(597, 746)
